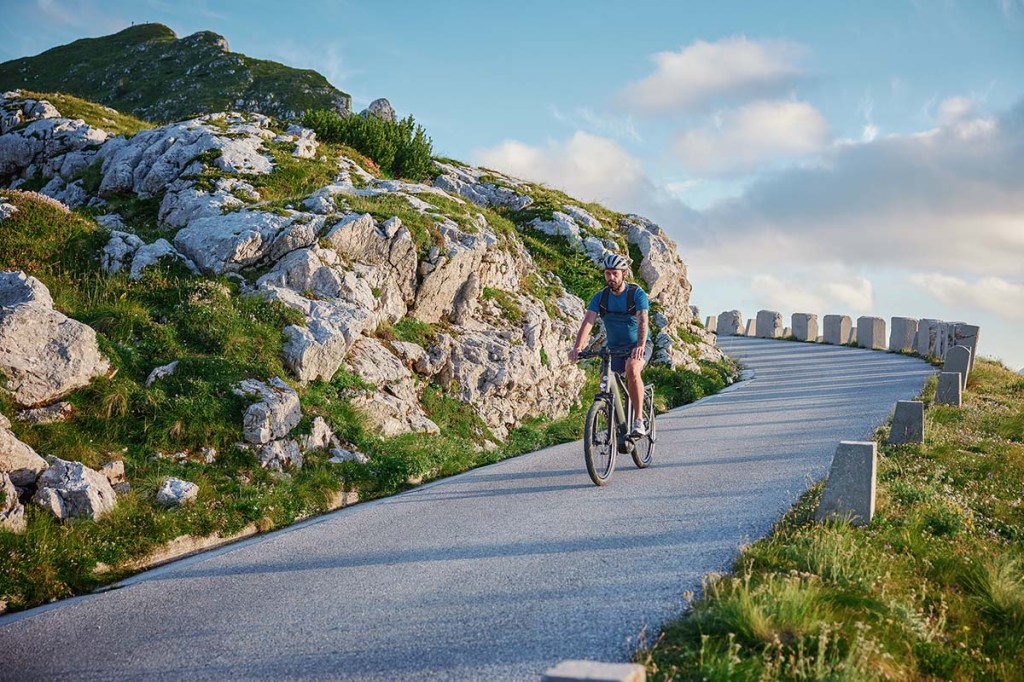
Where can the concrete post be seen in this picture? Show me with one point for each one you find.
(901, 338)
(805, 326)
(949, 391)
(730, 323)
(850, 490)
(871, 332)
(958, 359)
(712, 323)
(967, 335)
(853, 335)
(926, 330)
(837, 329)
(751, 327)
(769, 324)
(907, 423)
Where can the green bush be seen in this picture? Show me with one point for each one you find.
(400, 148)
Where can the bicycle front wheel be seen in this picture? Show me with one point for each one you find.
(643, 447)
(599, 442)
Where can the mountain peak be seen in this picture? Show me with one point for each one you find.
(146, 70)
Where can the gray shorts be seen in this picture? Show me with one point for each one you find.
(619, 363)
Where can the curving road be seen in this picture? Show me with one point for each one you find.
(495, 574)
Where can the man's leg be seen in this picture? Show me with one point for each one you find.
(635, 385)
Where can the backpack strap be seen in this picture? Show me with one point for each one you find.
(602, 304)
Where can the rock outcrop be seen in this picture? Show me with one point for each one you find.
(12, 512)
(490, 337)
(175, 492)
(73, 490)
(44, 355)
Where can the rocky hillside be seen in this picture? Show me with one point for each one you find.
(149, 72)
(225, 323)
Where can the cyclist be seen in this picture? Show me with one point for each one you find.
(623, 307)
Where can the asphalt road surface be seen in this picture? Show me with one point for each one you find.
(498, 573)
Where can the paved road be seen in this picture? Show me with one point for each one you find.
(495, 574)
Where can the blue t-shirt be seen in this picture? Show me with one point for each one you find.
(621, 327)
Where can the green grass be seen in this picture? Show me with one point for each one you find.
(96, 115)
(511, 310)
(933, 588)
(156, 84)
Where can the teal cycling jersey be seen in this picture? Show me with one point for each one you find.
(621, 327)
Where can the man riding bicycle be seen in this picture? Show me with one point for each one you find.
(623, 307)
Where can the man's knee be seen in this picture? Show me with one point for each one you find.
(634, 368)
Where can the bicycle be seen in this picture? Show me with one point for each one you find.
(610, 422)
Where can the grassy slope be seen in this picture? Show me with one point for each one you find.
(932, 588)
(170, 80)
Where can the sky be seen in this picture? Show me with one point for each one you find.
(860, 158)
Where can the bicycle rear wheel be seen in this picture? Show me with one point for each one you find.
(599, 442)
(643, 447)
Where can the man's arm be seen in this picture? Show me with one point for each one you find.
(641, 335)
(583, 334)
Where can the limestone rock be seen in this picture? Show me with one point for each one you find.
(469, 183)
(43, 354)
(175, 492)
(394, 408)
(50, 414)
(319, 437)
(73, 490)
(161, 372)
(114, 471)
(339, 455)
(381, 108)
(280, 454)
(18, 460)
(12, 512)
(274, 415)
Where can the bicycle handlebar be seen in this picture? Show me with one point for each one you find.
(605, 353)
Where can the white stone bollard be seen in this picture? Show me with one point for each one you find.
(730, 323)
(853, 335)
(901, 337)
(850, 489)
(907, 423)
(751, 327)
(967, 335)
(949, 391)
(805, 326)
(594, 671)
(711, 324)
(837, 329)
(871, 332)
(769, 324)
(926, 331)
(958, 359)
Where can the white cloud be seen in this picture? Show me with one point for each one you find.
(997, 295)
(741, 139)
(948, 199)
(604, 124)
(702, 73)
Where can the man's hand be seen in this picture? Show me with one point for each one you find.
(638, 353)
(574, 354)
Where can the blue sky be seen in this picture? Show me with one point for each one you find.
(864, 158)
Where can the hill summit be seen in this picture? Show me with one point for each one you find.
(146, 70)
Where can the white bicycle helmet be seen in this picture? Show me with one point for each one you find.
(615, 261)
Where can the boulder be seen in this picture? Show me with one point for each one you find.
(18, 460)
(175, 492)
(12, 512)
(274, 415)
(280, 454)
(73, 490)
(114, 471)
(394, 407)
(161, 372)
(44, 355)
(319, 437)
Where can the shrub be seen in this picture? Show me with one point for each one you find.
(400, 148)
